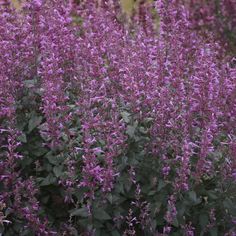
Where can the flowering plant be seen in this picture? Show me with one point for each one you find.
(112, 128)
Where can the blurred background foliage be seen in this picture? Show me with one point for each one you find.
(16, 3)
(127, 5)
(211, 16)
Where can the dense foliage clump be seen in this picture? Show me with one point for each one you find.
(114, 128)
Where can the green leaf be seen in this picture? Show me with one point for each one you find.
(54, 160)
(85, 223)
(39, 151)
(48, 180)
(34, 122)
(161, 185)
(109, 198)
(98, 232)
(151, 193)
(120, 188)
(30, 83)
(130, 131)
(74, 231)
(115, 233)
(83, 212)
(45, 199)
(177, 234)
(22, 138)
(203, 220)
(214, 231)
(193, 196)
(228, 204)
(148, 120)
(175, 223)
(57, 170)
(100, 214)
(126, 116)
(142, 130)
(212, 194)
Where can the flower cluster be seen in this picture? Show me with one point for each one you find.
(215, 16)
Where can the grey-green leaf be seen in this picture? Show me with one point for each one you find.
(83, 212)
(58, 171)
(126, 116)
(100, 214)
(34, 122)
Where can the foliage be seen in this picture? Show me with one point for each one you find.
(114, 129)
